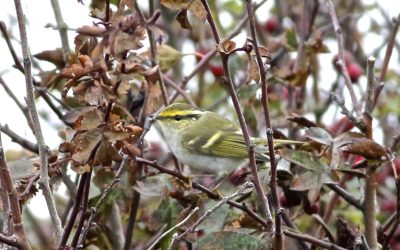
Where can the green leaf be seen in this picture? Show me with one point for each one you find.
(232, 240)
(309, 180)
(168, 56)
(319, 135)
(304, 159)
(247, 91)
(290, 40)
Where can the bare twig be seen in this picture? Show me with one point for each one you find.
(242, 207)
(388, 55)
(33, 147)
(243, 125)
(18, 64)
(43, 150)
(340, 62)
(345, 195)
(244, 189)
(103, 196)
(356, 121)
(173, 228)
(62, 28)
(17, 102)
(396, 220)
(7, 183)
(312, 240)
(369, 102)
(278, 239)
(212, 53)
(369, 209)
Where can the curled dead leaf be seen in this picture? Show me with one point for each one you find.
(91, 30)
(365, 147)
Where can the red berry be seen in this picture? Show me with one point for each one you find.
(311, 209)
(355, 71)
(396, 162)
(239, 176)
(348, 59)
(340, 126)
(388, 205)
(271, 25)
(283, 201)
(217, 70)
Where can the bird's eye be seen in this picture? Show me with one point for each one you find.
(178, 118)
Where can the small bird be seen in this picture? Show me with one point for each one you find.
(207, 141)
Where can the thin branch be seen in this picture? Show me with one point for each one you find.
(356, 121)
(204, 61)
(396, 220)
(278, 239)
(75, 209)
(312, 240)
(243, 125)
(244, 189)
(388, 54)
(62, 28)
(237, 205)
(17, 102)
(8, 184)
(103, 196)
(153, 49)
(33, 147)
(173, 228)
(43, 150)
(369, 102)
(340, 62)
(9, 240)
(17, 63)
(346, 196)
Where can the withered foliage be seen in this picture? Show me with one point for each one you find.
(130, 62)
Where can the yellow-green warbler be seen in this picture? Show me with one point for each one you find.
(206, 141)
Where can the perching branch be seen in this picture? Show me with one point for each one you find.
(242, 121)
(278, 238)
(43, 150)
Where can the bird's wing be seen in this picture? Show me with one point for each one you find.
(223, 139)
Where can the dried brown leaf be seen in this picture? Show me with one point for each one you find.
(254, 71)
(106, 154)
(74, 71)
(84, 144)
(55, 57)
(89, 120)
(301, 120)
(365, 147)
(183, 20)
(72, 115)
(91, 30)
(195, 7)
